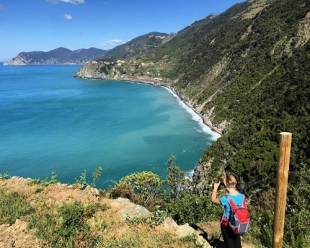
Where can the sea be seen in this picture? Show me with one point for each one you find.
(51, 122)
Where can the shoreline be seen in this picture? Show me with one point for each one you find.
(206, 122)
(196, 117)
(90, 71)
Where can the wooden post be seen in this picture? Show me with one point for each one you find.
(281, 190)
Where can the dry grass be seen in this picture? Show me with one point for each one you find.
(106, 226)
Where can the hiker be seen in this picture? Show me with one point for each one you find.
(231, 240)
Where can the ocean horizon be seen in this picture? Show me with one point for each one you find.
(53, 122)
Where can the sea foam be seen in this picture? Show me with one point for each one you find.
(196, 117)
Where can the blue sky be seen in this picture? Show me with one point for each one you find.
(43, 25)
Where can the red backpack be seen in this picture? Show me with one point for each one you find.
(239, 219)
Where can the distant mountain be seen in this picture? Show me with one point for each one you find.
(138, 46)
(57, 56)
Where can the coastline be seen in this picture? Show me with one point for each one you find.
(196, 117)
(203, 120)
(213, 131)
(90, 70)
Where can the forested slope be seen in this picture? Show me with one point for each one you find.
(263, 90)
(248, 70)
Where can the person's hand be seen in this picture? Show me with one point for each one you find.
(216, 185)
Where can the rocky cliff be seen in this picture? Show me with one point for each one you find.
(118, 70)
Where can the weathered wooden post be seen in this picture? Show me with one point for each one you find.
(281, 188)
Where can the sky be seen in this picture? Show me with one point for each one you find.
(44, 25)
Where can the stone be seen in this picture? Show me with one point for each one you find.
(185, 230)
(170, 223)
(133, 210)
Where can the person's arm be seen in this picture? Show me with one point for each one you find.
(214, 198)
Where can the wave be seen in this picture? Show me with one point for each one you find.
(196, 117)
(189, 174)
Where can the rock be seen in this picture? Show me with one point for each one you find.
(95, 192)
(93, 70)
(185, 230)
(132, 210)
(127, 208)
(201, 240)
(92, 190)
(119, 202)
(170, 223)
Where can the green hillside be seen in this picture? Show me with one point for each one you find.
(247, 71)
(138, 46)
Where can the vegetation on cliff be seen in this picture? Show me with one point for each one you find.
(138, 46)
(247, 70)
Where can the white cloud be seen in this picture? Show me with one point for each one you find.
(72, 1)
(66, 1)
(68, 17)
(110, 43)
(2, 6)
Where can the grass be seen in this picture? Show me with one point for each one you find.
(76, 222)
(12, 206)
(143, 236)
(68, 216)
(67, 225)
(95, 225)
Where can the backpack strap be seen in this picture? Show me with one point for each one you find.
(232, 204)
(244, 204)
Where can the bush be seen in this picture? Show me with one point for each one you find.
(68, 226)
(142, 188)
(4, 176)
(192, 208)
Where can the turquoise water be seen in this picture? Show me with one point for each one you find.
(53, 122)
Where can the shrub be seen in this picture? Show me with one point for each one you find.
(192, 208)
(68, 225)
(142, 188)
(4, 176)
(121, 190)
